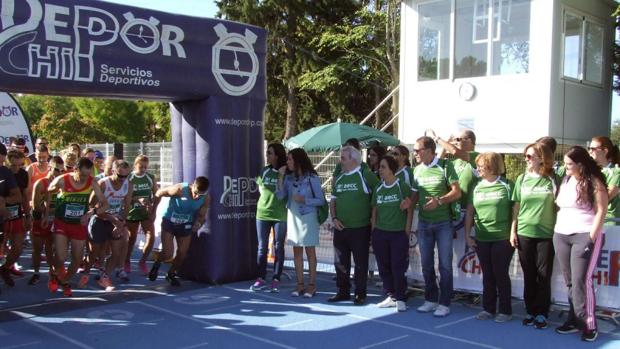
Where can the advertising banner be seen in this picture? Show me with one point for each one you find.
(12, 122)
(87, 47)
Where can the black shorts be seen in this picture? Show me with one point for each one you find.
(178, 230)
(100, 230)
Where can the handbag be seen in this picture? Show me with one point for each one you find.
(323, 210)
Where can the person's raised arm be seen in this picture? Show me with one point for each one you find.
(170, 191)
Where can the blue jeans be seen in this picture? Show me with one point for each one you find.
(442, 234)
(263, 229)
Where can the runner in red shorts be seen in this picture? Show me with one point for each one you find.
(71, 216)
(43, 216)
(16, 223)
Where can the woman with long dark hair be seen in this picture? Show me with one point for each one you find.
(300, 184)
(375, 154)
(607, 157)
(533, 219)
(582, 203)
(405, 171)
(270, 214)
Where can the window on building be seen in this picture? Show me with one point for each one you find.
(583, 48)
(471, 38)
(511, 41)
(434, 40)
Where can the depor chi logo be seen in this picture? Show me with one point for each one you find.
(239, 192)
(469, 263)
(72, 35)
(8, 111)
(608, 268)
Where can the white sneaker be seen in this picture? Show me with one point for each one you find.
(387, 303)
(503, 318)
(427, 307)
(441, 311)
(401, 306)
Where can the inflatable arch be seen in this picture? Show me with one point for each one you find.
(211, 71)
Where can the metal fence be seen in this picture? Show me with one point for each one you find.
(159, 154)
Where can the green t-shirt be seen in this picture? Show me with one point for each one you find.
(434, 180)
(142, 194)
(269, 208)
(465, 172)
(612, 179)
(536, 198)
(405, 175)
(493, 209)
(352, 192)
(338, 169)
(559, 170)
(387, 199)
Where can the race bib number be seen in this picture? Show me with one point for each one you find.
(13, 211)
(74, 211)
(178, 218)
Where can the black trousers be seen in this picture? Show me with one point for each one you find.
(349, 241)
(495, 257)
(536, 258)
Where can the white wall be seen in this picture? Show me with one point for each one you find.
(508, 111)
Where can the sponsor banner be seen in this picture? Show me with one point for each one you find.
(94, 48)
(468, 274)
(12, 122)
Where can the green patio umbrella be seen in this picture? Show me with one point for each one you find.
(331, 136)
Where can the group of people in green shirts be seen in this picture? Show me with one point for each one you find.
(549, 210)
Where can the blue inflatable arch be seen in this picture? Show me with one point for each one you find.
(212, 72)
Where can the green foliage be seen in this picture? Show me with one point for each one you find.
(66, 120)
(615, 132)
(515, 165)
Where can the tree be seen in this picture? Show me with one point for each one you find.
(616, 57)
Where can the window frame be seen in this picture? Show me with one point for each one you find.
(585, 18)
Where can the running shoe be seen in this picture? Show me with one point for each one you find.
(172, 279)
(127, 268)
(389, 302)
(154, 271)
(66, 290)
(34, 279)
(427, 307)
(5, 274)
(143, 268)
(501, 318)
(443, 311)
(589, 335)
(401, 306)
(528, 320)
(123, 276)
(106, 283)
(258, 285)
(484, 315)
(52, 284)
(567, 328)
(540, 322)
(13, 270)
(275, 286)
(83, 281)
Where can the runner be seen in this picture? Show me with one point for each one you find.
(184, 214)
(40, 141)
(109, 227)
(71, 216)
(142, 212)
(40, 168)
(43, 216)
(107, 167)
(607, 157)
(9, 191)
(17, 222)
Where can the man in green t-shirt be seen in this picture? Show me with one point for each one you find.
(350, 211)
(435, 186)
(464, 160)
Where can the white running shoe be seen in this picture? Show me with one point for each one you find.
(401, 306)
(427, 307)
(441, 311)
(389, 302)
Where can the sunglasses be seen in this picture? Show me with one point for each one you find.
(56, 169)
(594, 148)
(122, 176)
(69, 168)
(459, 139)
(418, 150)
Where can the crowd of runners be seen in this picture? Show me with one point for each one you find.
(82, 208)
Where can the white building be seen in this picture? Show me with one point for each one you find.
(538, 68)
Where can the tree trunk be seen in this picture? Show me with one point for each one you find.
(378, 121)
(391, 46)
(291, 109)
(291, 76)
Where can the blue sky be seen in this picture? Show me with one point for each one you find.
(198, 8)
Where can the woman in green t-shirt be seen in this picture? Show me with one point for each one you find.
(404, 171)
(531, 233)
(375, 154)
(607, 156)
(490, 208)
(391, 223)
(270, 215)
